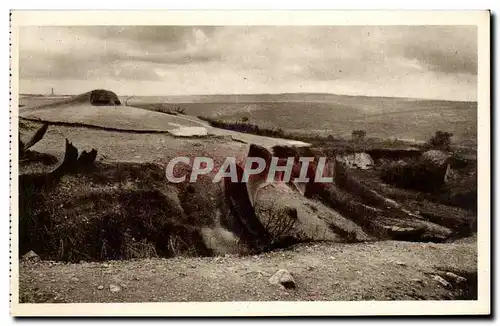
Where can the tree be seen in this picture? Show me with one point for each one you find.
(244, 119)
(441, 140)
(358, 135)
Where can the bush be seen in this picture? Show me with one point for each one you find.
(415, 174)
(358, 135)
(246, 128)
(180, 110)
(441, 140)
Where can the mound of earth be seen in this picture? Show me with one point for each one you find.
(102, 108)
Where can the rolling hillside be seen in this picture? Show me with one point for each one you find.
(337, 115)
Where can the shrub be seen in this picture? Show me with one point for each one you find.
(415, 174)
(440, 140)
(358, 135)
(246, 127)
(180, 110)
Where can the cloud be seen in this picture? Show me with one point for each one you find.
(442, 49)
(95, 52)
(198, 59)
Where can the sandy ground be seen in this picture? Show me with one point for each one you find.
(365, 271)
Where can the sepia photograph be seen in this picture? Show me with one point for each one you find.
(181, 162)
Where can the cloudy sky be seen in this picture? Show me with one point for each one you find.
(403, 61)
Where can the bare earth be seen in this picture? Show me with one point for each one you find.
(387, 270)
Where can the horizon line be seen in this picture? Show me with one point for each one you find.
(243, 94)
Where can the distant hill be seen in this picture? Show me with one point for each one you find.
(330, 114)
(258, 98)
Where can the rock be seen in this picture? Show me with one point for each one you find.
(114, 288)
(399, 230)
(288, 216)
(284, 278)
(74, 279)
(442, 281)
(100, 287)
(452, 277)
(361, 161)
(400, 263)
(417, 280)
(31, 256)
(436, 157)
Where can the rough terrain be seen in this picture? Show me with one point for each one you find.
(386, 270)
(89, 214)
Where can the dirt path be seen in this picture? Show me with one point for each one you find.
(365, 271)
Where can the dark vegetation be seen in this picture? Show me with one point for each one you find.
(244, 126)
(358, 135)
(441, 140)
(414, 174)
(165, 108)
